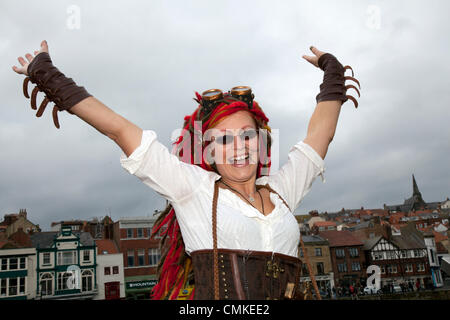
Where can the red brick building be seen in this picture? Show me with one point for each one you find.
(347, 257)
(140, 254)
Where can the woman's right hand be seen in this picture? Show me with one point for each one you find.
(24, 63)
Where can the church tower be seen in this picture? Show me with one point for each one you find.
(416, 201)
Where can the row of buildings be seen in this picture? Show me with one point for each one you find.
(408, 242)
(77, 259)
(105, 259)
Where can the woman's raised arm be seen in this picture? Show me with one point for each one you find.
(76, 100)
(333, 93)
(126, 134)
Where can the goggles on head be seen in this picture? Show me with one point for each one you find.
(213, 97)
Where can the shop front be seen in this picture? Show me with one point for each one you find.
(139, 287)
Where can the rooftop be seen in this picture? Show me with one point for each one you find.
(340, 238)
(106, 246)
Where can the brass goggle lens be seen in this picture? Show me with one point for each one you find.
(212, 97)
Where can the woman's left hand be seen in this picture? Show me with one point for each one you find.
(313, 59)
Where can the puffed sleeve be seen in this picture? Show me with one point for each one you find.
(161, 170)
(294, 179)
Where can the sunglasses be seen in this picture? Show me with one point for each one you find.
(245, 136)
(213, 97)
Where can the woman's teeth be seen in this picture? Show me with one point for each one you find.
(241, 160)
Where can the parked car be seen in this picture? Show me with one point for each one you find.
(397, 288)
(372, 290)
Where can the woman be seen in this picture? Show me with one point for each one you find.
(239, 245)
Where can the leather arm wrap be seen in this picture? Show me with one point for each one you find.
(58, 88)
(333, 86)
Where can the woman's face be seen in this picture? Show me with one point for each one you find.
(236, 160)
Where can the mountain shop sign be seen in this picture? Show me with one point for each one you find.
(141, 284)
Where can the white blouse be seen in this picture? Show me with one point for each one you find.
(189, 189)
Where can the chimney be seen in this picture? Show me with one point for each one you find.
(388, 232)
(23, 213)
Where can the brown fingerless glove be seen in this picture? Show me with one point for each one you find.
(333, 86)
(59, 89)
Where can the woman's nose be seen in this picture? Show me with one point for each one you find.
(238, 143)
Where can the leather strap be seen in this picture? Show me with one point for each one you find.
(214, 234)
(271, 190)
(59, 89)
(237, 277)
(333, 86)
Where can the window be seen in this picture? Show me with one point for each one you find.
(86, 255)
(63, 278)
(149, 232)
(141, 257)
(86, 281)
(340, 253)
(46, 258)
(107, 271)
(353, 252)
(3, 287)
(22, 264)
(22, 285)
(392, 268)
(390, 255)
(377, 255)
(356, 266)
(46, 285)
(153, 256)
(420, 267)
(409, 268)
(115, 270)
(129, 233)
(342, 267)
(300, 251)
(4, 264)
(383, 269)
(404, 254)
(131, 258)
(13, 264)
(320, 268)
(318, 252)
(140, 233)
(12, 287)
(305, 271)
(67, 258)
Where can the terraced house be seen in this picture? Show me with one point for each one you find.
(65, 264)
(17, 273)
(402, 258)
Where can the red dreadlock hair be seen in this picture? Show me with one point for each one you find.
(175, 266)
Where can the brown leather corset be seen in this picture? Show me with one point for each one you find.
(243, 275)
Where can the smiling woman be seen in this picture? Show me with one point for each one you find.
(229, 225)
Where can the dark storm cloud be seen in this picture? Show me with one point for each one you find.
(146, 60)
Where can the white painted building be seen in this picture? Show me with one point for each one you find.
(446, 204)
(433, 260)
(110, 272)
(17, 274)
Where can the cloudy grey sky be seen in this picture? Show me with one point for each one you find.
(145, 60)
